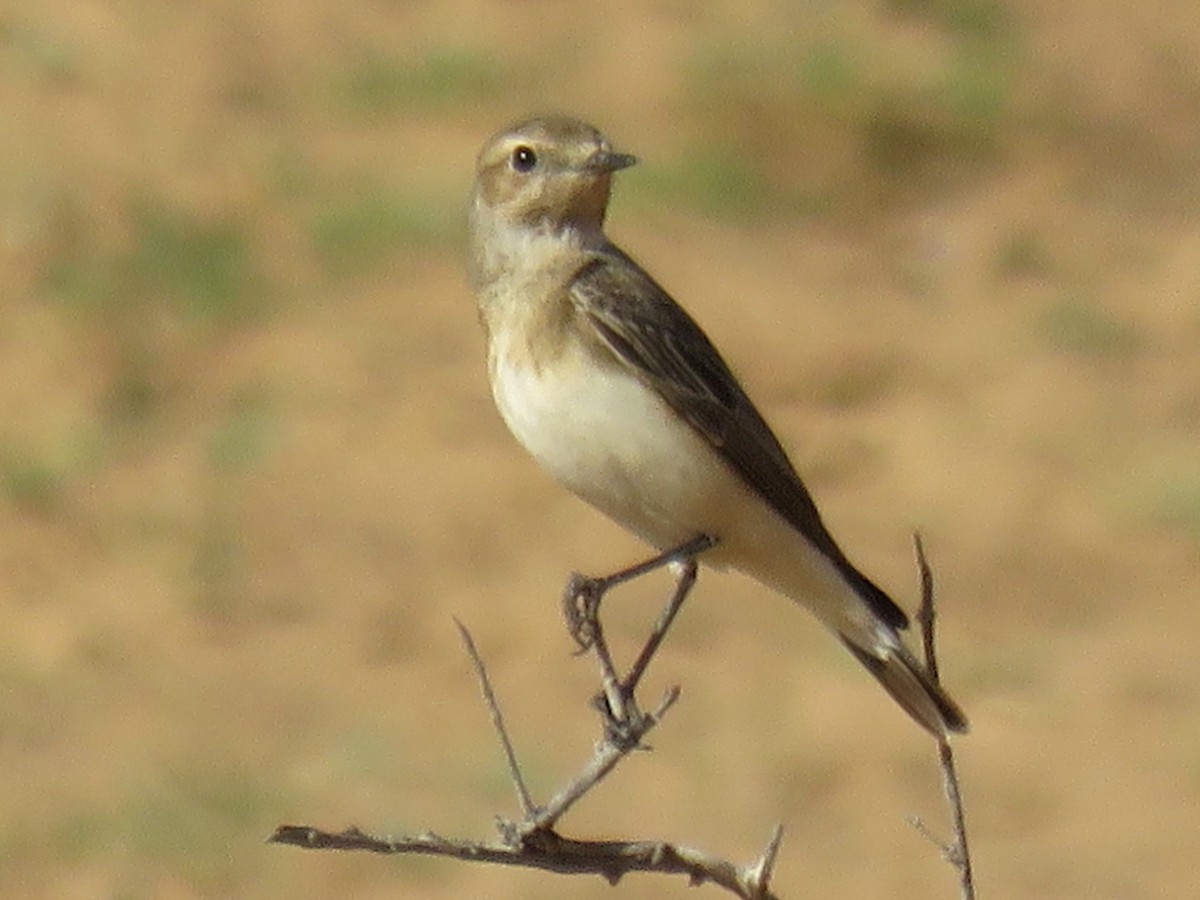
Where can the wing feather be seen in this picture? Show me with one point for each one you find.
(654, 337)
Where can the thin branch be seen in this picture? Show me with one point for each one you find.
(528, 808)
(957, 852)
(550, 852)
(608, 753)
(533, 842)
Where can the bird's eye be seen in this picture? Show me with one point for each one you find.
(524, 159)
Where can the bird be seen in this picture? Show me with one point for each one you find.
(618, 393)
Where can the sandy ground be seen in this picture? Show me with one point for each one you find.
(231, 543)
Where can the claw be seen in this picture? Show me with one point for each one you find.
(580, 606)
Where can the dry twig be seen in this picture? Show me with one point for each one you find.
(533, 841)
(955, 852)
(551, 852)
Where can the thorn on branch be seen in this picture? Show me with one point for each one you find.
(759, 876)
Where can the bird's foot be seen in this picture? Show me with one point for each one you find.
(581, 608)
(624, 723)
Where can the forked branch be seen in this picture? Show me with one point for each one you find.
(533, 841)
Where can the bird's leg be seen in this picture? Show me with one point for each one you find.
(583, 593)
(581, 607)
(683, 586)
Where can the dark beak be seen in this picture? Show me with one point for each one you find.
(607, 161)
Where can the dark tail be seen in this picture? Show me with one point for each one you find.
(910, 685)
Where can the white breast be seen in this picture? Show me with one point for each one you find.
(613, 441)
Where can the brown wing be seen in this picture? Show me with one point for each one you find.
(652, 335)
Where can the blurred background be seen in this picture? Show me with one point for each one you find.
(249, 466)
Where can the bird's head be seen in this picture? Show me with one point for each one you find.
(550, 172)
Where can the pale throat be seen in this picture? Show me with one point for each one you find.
(508, 247)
